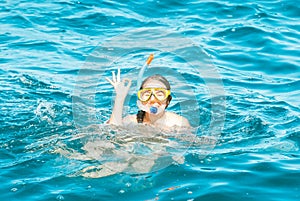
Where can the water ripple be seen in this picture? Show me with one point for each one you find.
(254, 46)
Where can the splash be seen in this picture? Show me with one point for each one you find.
(45, 111)
(141, 149)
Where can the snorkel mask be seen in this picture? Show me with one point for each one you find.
(161, 94)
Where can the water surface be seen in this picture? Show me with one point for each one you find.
(254, 47)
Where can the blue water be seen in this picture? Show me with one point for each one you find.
(55, 54)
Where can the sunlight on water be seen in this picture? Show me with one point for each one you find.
(234, 71)
(141, 149)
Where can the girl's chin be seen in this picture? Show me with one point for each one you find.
(154, 105)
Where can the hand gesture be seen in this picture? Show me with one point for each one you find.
(121, 87)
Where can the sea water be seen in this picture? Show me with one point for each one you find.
(234, 72)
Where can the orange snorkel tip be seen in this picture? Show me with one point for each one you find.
(150, 58)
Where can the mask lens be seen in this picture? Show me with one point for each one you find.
(160, 94)
(144, 94)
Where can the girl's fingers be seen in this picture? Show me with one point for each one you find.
(116, 79)
(109, 80)
(113, 76)
(119, 75)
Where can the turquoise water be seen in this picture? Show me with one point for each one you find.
(55, 54)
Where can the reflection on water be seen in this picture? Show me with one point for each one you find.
(135, 149)
(254, 46)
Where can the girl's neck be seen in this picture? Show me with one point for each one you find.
(151, 118)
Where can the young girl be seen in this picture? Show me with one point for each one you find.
(154, 97)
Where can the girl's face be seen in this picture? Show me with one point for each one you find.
(153, 100)
(153, 97)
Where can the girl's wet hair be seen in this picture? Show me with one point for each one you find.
(159, 78)
(141, 114)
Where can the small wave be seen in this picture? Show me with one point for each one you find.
(114, 151)
(46, 46)
(19, 20)
(241, 33)
(32, 82)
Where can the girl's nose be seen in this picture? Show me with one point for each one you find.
(152, 98)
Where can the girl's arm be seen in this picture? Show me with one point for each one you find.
(121, 89)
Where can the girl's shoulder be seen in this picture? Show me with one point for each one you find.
(172, 119)
(129, 119)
